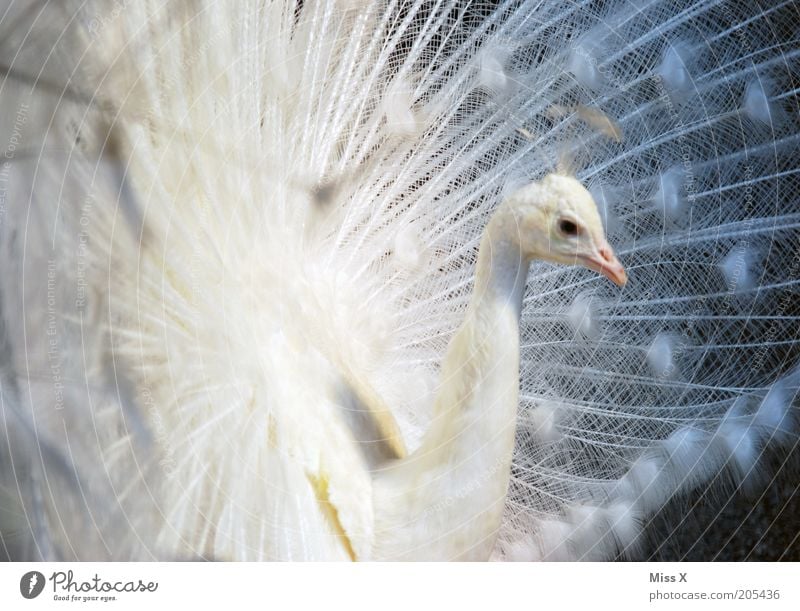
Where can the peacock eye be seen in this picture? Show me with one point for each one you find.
(568, 228)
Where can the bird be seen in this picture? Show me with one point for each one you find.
(324, 280)
(471, 437)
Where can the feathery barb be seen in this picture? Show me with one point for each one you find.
(238, 236)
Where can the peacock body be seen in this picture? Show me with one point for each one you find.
(238, 237)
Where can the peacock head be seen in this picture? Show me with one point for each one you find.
(557, 220)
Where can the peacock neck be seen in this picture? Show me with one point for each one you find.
(478, 392)
(456, 481)
(502, 269)
(484, 354)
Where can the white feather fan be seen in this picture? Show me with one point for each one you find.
(228, 228)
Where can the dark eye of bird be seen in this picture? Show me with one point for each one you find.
(568, 228)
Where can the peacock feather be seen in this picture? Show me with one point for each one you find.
(238, 238)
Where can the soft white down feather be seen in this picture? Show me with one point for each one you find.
(238, 237)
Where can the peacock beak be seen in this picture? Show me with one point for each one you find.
(604, 261)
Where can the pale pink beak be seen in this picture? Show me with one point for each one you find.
(605, 262)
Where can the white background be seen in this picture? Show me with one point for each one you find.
(495, 587)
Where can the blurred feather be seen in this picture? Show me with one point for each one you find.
(223, 223)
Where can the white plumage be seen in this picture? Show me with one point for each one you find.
(238, 237)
